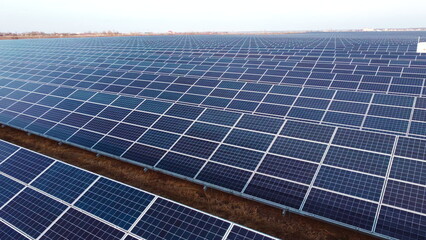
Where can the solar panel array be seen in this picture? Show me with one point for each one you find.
(44, 198)
(327, 126)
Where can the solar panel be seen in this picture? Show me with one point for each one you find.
(66, 202)
(331, 131)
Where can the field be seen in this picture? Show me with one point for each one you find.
(329, 126)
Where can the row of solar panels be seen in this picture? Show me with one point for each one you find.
(328, 172)
(322, 64)
(410, 83)
(43, 198)
(364, 73)
(252, 53)
(398, 114)
(280, 59)
(234, 45)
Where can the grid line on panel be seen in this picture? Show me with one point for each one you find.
(317, 171)
(382, 194)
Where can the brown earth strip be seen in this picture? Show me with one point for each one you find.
(242, 211)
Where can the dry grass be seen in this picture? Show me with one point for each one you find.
(246, 212)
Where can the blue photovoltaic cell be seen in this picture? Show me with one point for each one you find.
(393, 100)
(130, 238)
(341, 208)
(304, 113)
(272, 109)
(52, 101)
(6, 116)
(90, 108)
(216, 102)
(318, 93)
(357, 160)
(288, 168)
(144, 154)
(243, 105)
(276, 190)
(64, 182)
(172, 124)
(184, 111)
(68, 104)
(238, 157)
(32, 212)
(289, 90)
(159, 139)
(61, 132)
(114, 113)
(279, 99)
(386, 124)
(258, 123)
(208, 131)
(364, 140)
(311, 103)
(352, 183)
(392, 112)
(409, 170)
(76, 120)
(6, 150)
(25, 165)
(421, 103)
(344, 118)
(298, 149)
(127, 102)
(21, 121)
(141, 118)
(112, 146)
(154, 106)
(85, 138)
(413, 148)
(55, 115)
(353, 96)
(77, 225)
(114, 202)
(127, 131)
(40, 126)
(308, 131)
(219, 117)
(168, 220)
(248, 139)
(404, 195)
(7, 233)
(401, 224)
(195, 147)
(227, 177)
(36, 110)
(419, 115)
(239, 233)
(349, 107)
(250, 96)
(180, 164)
(8, 188)
(100, 125)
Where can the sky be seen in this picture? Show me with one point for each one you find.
(126, 16)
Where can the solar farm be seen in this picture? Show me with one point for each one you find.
(326, 125)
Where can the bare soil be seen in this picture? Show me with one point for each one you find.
(242, 211)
